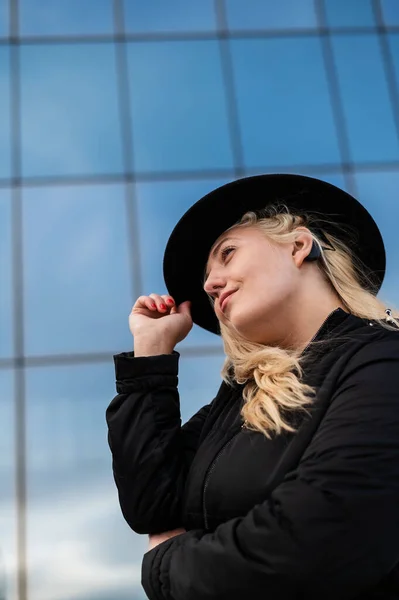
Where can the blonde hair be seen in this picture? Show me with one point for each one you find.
(272, 375)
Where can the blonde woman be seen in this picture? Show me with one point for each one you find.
(286, 485)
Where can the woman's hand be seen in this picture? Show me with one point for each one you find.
(157, 324)
(158, 538)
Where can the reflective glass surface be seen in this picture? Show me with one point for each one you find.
(5, 114)
(277, 81)
(367, 106)
(8, 508)
(77, 284)
(349, 13)
(65, 17)
(79, 545)
(69, 112)
(5, 275)
(390, 11)
(175, 15)
(379, 193)
(178, 106)
(268, 14)
(4, 18)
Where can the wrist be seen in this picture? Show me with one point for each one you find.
(151, 347)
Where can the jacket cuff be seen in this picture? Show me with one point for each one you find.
(127, 366)
(150, 571)
(155, 566)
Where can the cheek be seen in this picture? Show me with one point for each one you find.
(271, 286)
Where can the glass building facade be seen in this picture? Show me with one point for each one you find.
(115, 117)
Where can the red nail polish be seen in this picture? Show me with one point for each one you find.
(169, 301)
(162, 306)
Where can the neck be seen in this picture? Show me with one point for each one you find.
(307, 317)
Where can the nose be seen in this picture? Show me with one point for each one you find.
(214, 283)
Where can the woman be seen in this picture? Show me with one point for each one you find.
(287, 484)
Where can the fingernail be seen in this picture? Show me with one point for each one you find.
(162, 306)
(169, 301)
(153, 305)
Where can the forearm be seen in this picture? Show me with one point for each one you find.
(145, 440)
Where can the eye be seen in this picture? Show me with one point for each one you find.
(226, 251)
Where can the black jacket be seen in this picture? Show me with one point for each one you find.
(310, 515)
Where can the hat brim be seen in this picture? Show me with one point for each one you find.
(188, 247)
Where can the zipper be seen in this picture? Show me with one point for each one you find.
(209, 473)
(319, 329)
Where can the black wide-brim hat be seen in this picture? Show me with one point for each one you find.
(188, 247)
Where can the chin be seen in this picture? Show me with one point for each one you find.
(249, 331)
(252, 329)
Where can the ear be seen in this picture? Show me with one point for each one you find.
(302, 245)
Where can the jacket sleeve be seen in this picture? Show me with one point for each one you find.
(151, 452)
(329, 530)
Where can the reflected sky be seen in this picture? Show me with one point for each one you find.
(179, 109)
(5, 275)
(77, 282)
(349, 13)
(8, 562)
(379, 194)
(285, 14)
(61, 17)
(77, 259)
(69, 110)
(390, 11)
(367, 106)
(277, 81)
(5, 117)
(174, 15)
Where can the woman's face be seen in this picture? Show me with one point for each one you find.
(254, 281)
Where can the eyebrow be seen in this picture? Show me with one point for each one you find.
(216, 250)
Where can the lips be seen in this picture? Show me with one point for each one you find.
(224, 297)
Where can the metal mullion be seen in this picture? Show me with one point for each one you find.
(388, 64)
(18, 295)
(134, 255)
(336, 100)
(229, 88)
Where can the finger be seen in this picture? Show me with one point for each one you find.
(144, 302)
(169, 301)
(184, 308)
(160, 302)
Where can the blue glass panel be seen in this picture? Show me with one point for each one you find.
(77, 287)
(8, 550)
(336, 178)
(70, 122)
(175, 15)
(283, 101)
(349, 13)
(394, 47)
(5, 117)
(199, 381)
(366, 103)
(4, 18)
(5, 276)
(379, 194)
(79, 545)
(65, 17)
(160, 206)
(390, 11)
(179, 110)
(269, 14)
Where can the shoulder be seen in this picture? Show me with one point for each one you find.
(373, 344)
(371, 370)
